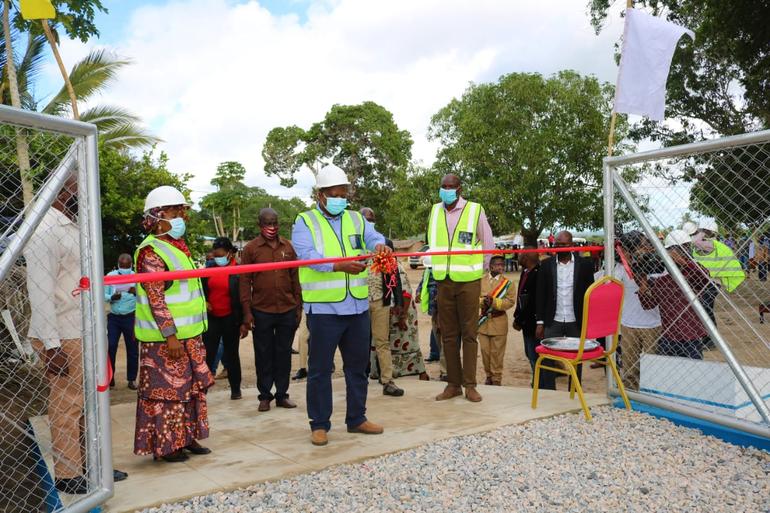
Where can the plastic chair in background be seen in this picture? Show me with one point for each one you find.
(601, 318)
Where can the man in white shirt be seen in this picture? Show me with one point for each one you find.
(52, 256)
(561, 287)
(640, 330)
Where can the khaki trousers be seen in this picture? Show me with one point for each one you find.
(634, 342)
(302, 336)
(458, 313)
(65, 411)
(492, 355)
(380, 321)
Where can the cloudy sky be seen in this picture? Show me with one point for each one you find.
(212, 77)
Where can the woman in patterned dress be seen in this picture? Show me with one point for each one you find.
(171, 413)
(404, 338)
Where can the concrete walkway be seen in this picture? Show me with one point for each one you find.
(249, 447)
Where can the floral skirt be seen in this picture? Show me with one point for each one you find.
(171, 409)
(404, 347)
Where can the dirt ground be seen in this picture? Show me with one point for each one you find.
(516, 369)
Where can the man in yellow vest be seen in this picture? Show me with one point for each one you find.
(458, 225)
(336, 301)
(718, 259)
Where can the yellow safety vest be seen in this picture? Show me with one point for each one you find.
(722, 265)
(184, 298)
(334, 287)
(459, 268)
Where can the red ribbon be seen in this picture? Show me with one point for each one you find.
(83, 285)
(120, 279)
(104, 386)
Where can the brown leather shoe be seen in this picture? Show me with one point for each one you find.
(472, 394)
(285, 403)
(449, 392)
(264, 405)
(367, 428)
(318, 437)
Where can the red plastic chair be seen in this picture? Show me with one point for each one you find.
(601, 318)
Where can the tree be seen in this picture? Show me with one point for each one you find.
(718, 86)
(125, 182)
(530, 149)
(364, 140)
(407, 208)
(225, 204)
(233, 210)
(718, 82)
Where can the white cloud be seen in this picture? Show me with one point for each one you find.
(212, 77)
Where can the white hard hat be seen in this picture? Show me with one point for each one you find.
(331, 175)
(709, 224)
(164, 196)
(677, 238)
(689, 228)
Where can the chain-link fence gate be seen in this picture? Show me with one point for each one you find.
(55, 444)
(688, 231)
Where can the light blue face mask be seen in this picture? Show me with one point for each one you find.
(222, 261)
(448, 196)
(178, 227)
(335, 206)
(122, 270)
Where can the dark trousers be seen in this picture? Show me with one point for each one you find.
(458, 313)
(530, 343)
(273, 336)
(351, 334)
(118, 325)
(435, 350)
(225, 328)
(762, 271)
(561, 329)
(686, 349)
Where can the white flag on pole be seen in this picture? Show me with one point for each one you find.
(648, 46)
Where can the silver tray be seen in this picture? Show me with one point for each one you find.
(569, 344)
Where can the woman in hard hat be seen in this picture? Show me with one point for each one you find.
(683, 333)
(171, 410)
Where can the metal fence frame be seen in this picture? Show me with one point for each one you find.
(613, 182)
(83, 155)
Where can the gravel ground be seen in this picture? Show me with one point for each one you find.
(554, 464)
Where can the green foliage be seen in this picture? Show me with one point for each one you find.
(415, 190)
(125, 182)
(238, 205)
(718, 83)
(530, 149)
(718, 86)
(364, 140)
(75, 16)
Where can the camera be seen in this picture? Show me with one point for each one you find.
(639, 254)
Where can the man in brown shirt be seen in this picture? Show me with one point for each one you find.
(272, 309)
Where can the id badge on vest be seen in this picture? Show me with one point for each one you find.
(465, 238)
(356, 242)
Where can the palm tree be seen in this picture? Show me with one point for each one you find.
(118, 128)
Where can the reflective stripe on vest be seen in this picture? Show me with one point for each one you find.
(333, 287)
(459, 268)
(184, 298)
(722, 265)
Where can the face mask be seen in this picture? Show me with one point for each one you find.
(222, 261)
(448, 196)
(269, 232)
(178, 227)
(124, 270)
(335, 206)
